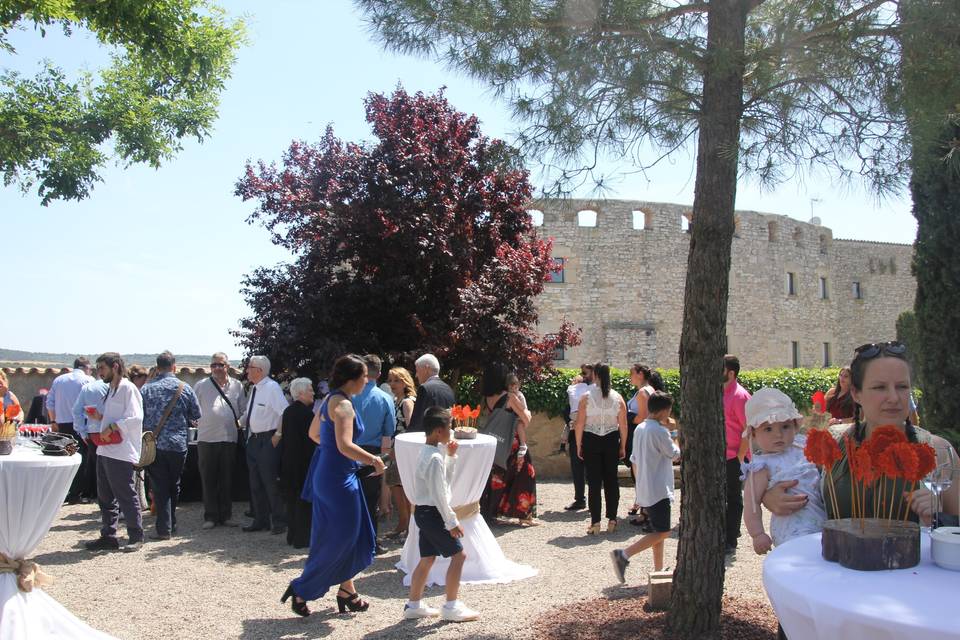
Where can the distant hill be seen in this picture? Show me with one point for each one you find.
(14, 358)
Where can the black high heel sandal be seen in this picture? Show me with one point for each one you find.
(352, 602)
(297, 605)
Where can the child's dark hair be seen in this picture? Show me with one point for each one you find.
(659, 400)
(435, 418)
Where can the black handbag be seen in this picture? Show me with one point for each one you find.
(58, 444)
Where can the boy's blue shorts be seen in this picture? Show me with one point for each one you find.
(435, 540)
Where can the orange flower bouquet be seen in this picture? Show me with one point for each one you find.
(465, 421)
(8, 428)
(884, 470)
(822, 450)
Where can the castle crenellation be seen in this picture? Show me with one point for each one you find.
(798, 296)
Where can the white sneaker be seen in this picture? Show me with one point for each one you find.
(423, 611)
(459, 613)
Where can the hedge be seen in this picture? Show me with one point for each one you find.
(549, 395)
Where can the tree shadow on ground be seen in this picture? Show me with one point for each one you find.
(314, 626)
(427, 628)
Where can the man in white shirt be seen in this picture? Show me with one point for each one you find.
(580, 386)
(60, 400)
(222, 403)
(262, 420)
(118, 450)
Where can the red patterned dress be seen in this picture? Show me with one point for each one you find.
(512, 492)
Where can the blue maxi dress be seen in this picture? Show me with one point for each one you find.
(342, 540)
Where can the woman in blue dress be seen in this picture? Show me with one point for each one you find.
(341, 539)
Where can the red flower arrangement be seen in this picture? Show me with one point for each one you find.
(822, 450)
(11, 411)
(882, 437)
(464, 416)
(819, 401)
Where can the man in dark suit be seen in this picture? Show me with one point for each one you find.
(433, 391)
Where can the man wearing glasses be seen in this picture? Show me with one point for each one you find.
(262, 420)
(222, 403)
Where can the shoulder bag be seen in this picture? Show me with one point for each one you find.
(148, 441)
(236, 420)
(502, 425)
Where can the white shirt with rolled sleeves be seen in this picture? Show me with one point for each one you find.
(432, 485)
(124, 408)
(265, 411)
(574, 393)
(653, 453)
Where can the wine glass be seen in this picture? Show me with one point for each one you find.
(941, 478)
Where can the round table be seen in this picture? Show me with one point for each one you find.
(32, 488)
(814, 598)
(485, 560)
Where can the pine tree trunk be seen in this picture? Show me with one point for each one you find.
(698, 579)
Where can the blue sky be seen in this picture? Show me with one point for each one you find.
(153, 259)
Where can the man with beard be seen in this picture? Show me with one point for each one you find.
(118, 449)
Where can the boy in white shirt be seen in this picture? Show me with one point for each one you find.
(653, 454)
(438, 524)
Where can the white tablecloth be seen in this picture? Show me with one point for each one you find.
(485, 560)
(814, 598)
(32, 488)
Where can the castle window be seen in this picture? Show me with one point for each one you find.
(791, 283)
(824, 292)
(826, 354)
(772, 231)
(795, 354)
(857, 291)
(685, 220)
(642, 220)
(587, 218)
(823, 244)
(536, 217)
(556, 274)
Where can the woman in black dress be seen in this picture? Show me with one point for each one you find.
(295, 454)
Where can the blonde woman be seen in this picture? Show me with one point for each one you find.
(8, 398)
(405, 395)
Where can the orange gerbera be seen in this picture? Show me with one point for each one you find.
(475, 413)
(11, 411)
(926, 461)
(862, 466)
(899, 460)
(456, 412)
(821, 448)
(882, 437)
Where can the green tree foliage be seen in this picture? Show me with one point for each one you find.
(169, 62)
(548, 394)
(766, 86)
(931, 98)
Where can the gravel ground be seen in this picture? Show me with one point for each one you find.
(224, 583)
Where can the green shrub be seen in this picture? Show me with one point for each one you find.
(549, 395)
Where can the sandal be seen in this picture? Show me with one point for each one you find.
(633, 510)
(298, 605)
(594, 529)
(529, 521)
(352, 602)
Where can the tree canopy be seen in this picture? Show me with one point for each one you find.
(418, 241)
(169, 61)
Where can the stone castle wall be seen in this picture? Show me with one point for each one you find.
(623, 286)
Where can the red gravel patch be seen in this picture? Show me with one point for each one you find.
(628, 617)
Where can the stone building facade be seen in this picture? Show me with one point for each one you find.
(798, 296)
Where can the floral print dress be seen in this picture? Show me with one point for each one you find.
(512, 492)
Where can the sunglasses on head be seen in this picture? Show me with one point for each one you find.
(874, 349)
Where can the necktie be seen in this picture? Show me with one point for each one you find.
(250, 408)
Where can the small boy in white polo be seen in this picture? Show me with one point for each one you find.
(439, 528)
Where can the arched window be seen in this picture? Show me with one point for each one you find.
(587, 218)
(536, 217)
